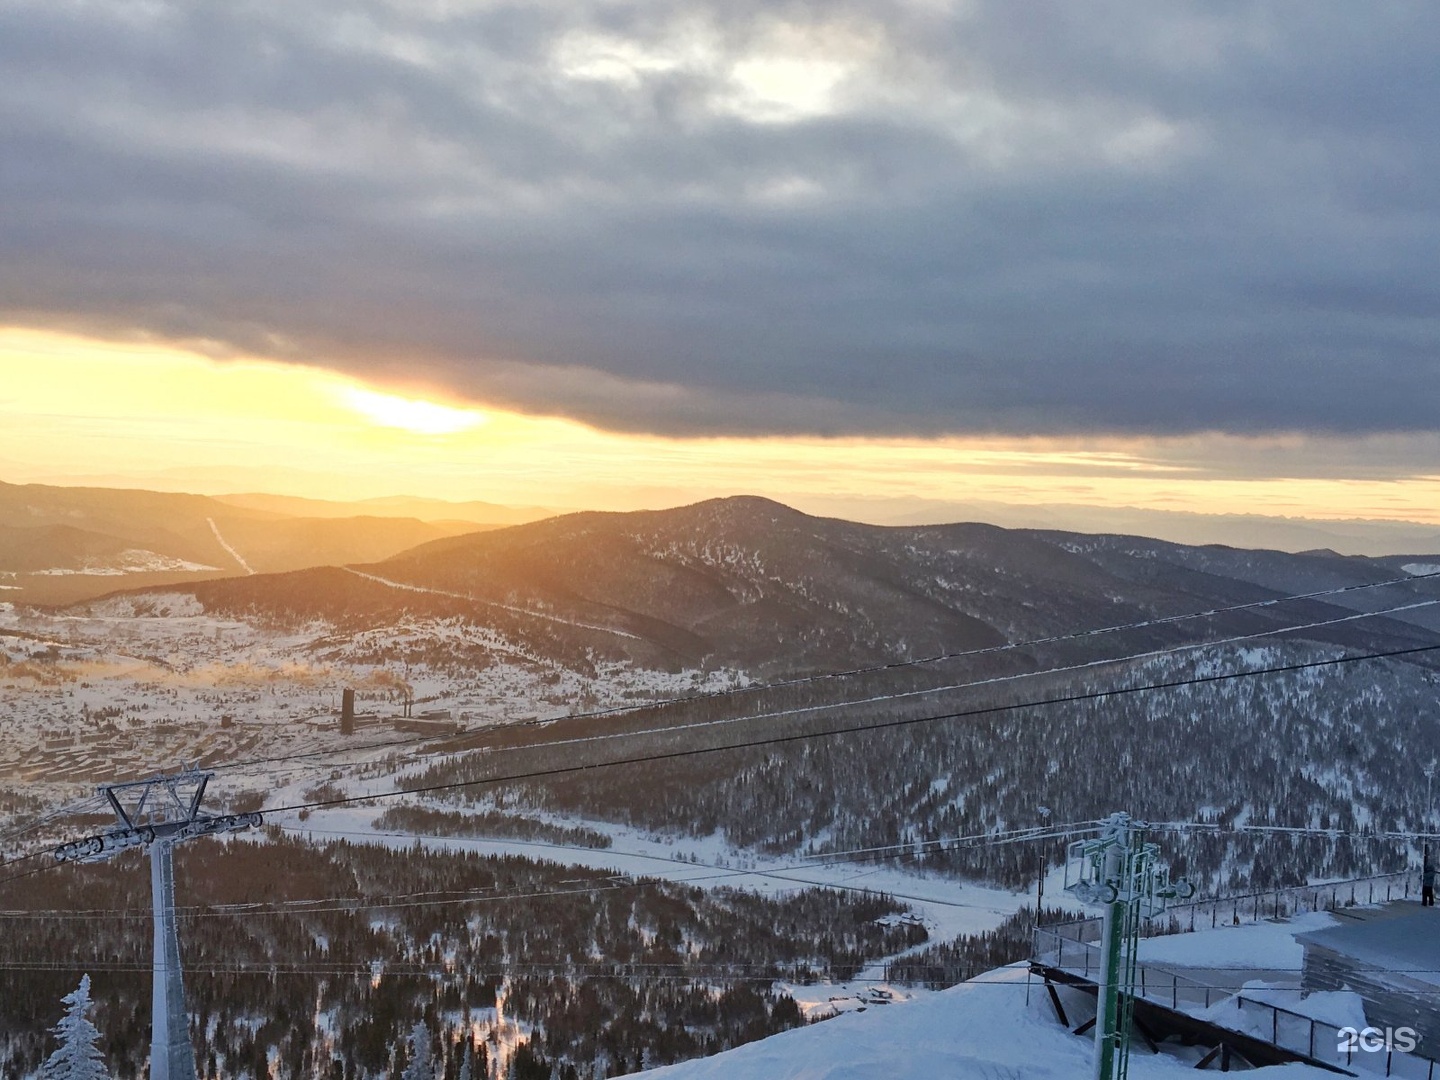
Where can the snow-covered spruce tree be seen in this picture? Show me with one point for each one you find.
(420, 1067)
(78, 1056)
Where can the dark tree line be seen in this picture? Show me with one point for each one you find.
(423, 821)
(1340, 748)
(601, 975)
(946, 963)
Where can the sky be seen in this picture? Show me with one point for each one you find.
(916, 254)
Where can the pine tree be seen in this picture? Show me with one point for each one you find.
(529, 1064)
(420, 1067)
(467, 1065)
(78, 1058)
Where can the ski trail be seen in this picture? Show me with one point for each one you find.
(226, 545)
(490, 603)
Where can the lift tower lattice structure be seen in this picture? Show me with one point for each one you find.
(1122, 874)
(158, 814)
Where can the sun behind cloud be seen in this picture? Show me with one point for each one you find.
(411, 414)
(77, 410)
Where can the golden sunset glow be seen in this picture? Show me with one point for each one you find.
(411, 414)
(80, 411)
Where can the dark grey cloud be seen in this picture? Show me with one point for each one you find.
(841, 217)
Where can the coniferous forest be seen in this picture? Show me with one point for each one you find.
(305, 961)
(1331, 748)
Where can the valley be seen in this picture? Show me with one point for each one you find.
(724, 701)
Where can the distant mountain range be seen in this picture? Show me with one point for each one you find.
(483, 513)
(747, 587)
(742, 582)
(751, 584)
(66, 544)
(1353, 536)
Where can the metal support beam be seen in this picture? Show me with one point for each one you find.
(1204, 1062)
(166, 812)
(199, 794)
(1107, 1003)
(1161, 1021)
(1055, 1000)
(171, 1055)
(119, 810)
(1146, 1034)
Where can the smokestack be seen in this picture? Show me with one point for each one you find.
(347, 712)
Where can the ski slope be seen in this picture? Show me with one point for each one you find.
(532, 613)
(949, 907)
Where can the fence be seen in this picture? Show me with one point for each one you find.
(1259, 906)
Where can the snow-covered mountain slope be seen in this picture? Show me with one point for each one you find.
(979, 1030)
(582, 613)
(61, 545)
(748, 583)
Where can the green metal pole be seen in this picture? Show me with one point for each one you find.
(1107, 996)
(1128, 962)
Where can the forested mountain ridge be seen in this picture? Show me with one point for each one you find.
(61, 545)
(1089, 674)
(750, 584)
(752, 587)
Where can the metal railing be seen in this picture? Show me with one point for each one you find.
(1262, 906)
(1213, 1001)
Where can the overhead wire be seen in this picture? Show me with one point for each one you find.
(782, 972)
(1076, 698)
(368, 970)
(690, 973)
(914, 849)
(881, 725)
(1297, 830)
(1004, 647)
(69, 810)
(895, 665)
(919, 849)
(909, 849)
(927, 691)
(973, 684)
(755, 688)
(776, 974)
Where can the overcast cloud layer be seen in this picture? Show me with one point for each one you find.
(861, 216)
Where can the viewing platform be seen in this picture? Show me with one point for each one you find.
(1299, 977)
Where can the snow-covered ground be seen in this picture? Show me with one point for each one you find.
(129, 561)
(134, 685)
(985, 1027)
(124, 687)
(948, 907)
(981, 1029)
(1335, 1008)
(131, 685)
(1259, 945)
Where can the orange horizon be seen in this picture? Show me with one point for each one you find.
(77, 410)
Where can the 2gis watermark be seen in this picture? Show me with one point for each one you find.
(1371, 1040)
